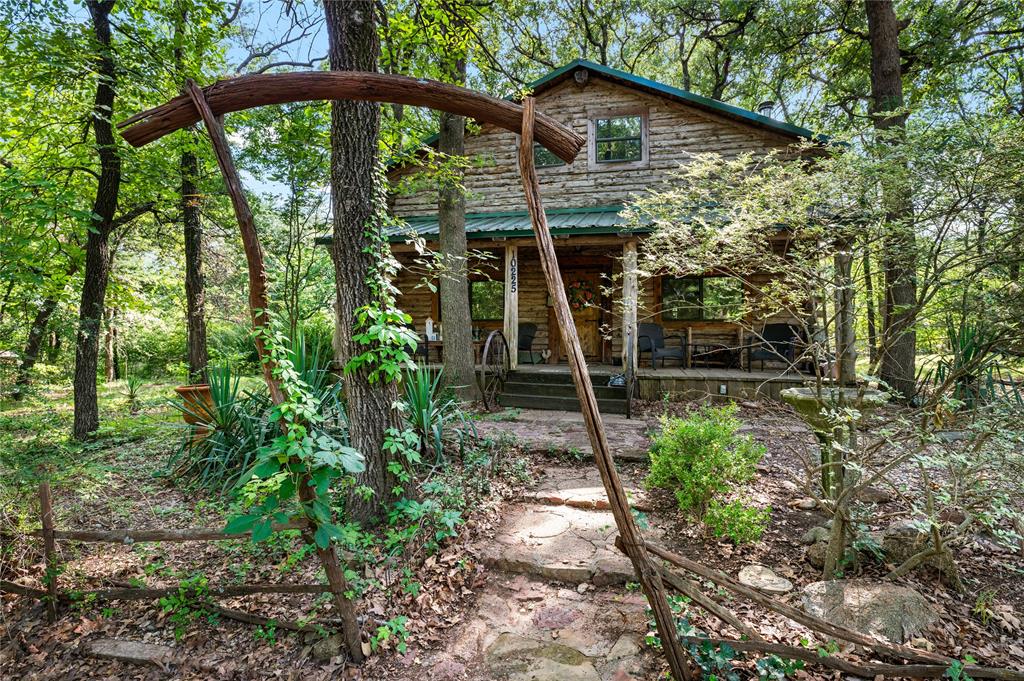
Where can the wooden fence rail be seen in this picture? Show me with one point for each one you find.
(52, 596)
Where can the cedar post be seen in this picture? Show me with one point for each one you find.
(49, 550)
(633, 542)
(630, 295)
(511, 317)
(258, 304)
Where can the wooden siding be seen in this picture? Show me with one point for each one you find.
(675, 131)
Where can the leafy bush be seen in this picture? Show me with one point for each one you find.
(701, 456)
(737, 521)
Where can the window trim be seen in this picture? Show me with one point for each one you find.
(594, 115)
(700, 289)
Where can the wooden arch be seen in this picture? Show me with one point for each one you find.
(246, 92)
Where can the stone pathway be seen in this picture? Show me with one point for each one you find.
(560, 432)
(553, 608)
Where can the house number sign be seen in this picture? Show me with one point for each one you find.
(513, 274)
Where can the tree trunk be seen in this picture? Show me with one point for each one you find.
(192, 230)
(454, 288)
(109, 340)
(356, 196)
(97, 247)
(869, 304)
(846, 339)
(195, 278)
(898, 351)
(32, 346)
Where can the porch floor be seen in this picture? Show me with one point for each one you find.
(707, 373)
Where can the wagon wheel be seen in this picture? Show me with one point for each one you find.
(495, 365)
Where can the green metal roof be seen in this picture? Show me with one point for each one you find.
(674, 93)
(554, 77)
(561, 221)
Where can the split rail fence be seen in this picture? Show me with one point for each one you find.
(53, 597)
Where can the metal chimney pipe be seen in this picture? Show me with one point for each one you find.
(766, 107)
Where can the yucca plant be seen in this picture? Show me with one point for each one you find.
(227, 432)
(971, 364)
(429, 410)
(133, 388)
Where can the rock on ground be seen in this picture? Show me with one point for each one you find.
(764, 579)
(130, 651)
(889, 611)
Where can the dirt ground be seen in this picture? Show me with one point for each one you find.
(459, 590)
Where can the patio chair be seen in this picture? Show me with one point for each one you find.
(422, 347)
(527, 332)
(651, 338)
(777, 342)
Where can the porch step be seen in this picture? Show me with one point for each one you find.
(547, 402)
(525, 385)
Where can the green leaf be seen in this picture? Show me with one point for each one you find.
(240, 524)
(262, 531)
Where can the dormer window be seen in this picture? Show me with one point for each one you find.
(542, 158)
(619, 139)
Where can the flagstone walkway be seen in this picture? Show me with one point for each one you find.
(554, 607)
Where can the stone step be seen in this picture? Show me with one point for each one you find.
(528, 401)
(562, 543)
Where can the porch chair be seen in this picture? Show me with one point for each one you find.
(422, 347)
(777, 342)
(527, 332)
(651, 338)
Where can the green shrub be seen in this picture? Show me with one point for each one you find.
(736, 521)
(700, 457)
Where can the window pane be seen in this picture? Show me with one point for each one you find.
(487, 300)
(620, 150)
(723, 298)
(680, 299)
(542, 158)
(622, 126)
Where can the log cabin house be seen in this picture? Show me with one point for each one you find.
(637, 132)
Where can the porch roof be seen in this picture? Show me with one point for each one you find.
(561, 221)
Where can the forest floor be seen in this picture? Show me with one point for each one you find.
(530, 589)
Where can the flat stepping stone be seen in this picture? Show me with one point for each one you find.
(591, 498)
(517, 658)
(563, 543)
(764, 579)
(135, 652)
(545, 431)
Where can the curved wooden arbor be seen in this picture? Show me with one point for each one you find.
(209, 103)
(246, 92)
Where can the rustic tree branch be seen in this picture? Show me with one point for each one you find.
(246, 92)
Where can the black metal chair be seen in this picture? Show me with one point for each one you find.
(651, 338)
(776, 343)
(422, 346)
(527, 332)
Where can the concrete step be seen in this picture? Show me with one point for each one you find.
(534, 401)
(522, 386)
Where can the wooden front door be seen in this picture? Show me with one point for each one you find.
(583, 288)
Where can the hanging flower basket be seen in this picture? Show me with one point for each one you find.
(581, 294)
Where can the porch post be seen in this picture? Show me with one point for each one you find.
(511, 329)
(630, 293)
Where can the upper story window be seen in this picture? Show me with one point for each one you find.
(619, 139)
(542, 158)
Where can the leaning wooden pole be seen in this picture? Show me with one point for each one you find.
(646, 572)
(258, 305)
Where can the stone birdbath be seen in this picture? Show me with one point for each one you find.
(815, 407)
